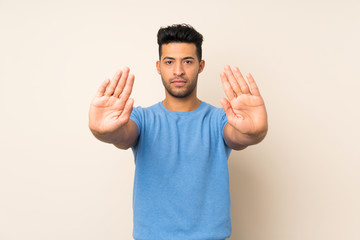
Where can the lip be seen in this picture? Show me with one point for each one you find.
(178, 82)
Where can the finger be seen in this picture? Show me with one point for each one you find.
(128, 88)
(229, 111)
(121, 84)
(229, 92)
(101, 90)
(110, 89)
(234, 83)
(243, 84)
(125, 115)
(254, 88)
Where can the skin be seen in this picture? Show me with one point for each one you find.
(244, 108)
(179, 67)
(110, 111)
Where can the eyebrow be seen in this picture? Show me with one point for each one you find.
(185, 58)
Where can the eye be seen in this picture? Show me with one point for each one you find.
(168, 62)
(188, 62)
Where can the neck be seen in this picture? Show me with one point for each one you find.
(186, 104)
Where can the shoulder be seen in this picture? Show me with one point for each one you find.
(152, 108)
(216, 115)
(140, 113)
(214, 111)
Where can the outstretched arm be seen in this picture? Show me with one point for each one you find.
(110, 109)
(244, 108)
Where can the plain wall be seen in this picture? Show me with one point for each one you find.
(58, 182)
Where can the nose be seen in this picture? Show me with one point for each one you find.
(178, 69)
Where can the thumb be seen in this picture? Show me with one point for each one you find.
(229, 111)
(227, 108)
(125, 115)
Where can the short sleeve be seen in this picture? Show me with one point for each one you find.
(223, 121)
(137, 116)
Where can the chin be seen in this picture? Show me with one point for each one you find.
(180, 94)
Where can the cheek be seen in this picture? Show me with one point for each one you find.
(193, 71)
(165, 74)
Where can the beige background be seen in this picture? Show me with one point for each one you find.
(58, 182)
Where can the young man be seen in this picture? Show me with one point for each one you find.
(181, 145)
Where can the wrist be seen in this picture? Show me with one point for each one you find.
(247, 139)
(107, 136)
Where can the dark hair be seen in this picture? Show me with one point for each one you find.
(180, 33)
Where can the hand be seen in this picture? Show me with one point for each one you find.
(244, 108)
(110, 109)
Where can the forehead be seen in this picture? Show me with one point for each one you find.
(178, 50)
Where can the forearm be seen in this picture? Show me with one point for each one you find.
(238, 140)
(122, 138)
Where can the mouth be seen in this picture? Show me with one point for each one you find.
(178, 82)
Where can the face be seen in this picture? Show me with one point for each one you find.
(179, 68)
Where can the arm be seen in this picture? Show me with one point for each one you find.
(245, 110)
(110, 109)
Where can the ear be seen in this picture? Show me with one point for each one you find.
(202, 65)
(158, 67)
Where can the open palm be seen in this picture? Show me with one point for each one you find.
(244, 108)
(110, 109)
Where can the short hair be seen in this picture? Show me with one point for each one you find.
(181, 33)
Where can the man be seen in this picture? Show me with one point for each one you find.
(181, 145)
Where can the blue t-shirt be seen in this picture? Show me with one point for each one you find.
(181, 185)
